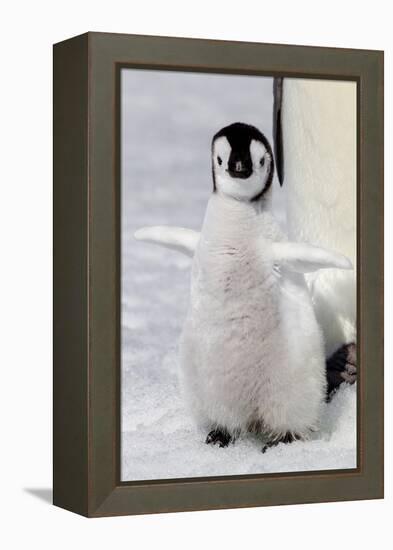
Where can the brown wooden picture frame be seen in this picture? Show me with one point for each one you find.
(86, 418)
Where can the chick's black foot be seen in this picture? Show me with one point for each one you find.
(220, 436)
(287, 438)
(341, 367)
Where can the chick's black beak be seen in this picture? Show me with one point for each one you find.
(239, 169)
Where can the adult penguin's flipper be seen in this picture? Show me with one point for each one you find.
(305, 258)
(176, 238)
(277, 127)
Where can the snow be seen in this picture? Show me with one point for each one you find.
(166, 179)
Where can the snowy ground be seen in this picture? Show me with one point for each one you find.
(166, 179)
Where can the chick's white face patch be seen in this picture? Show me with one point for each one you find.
(241, 188)
(221, 152)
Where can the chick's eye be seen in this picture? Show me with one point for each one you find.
(262, 161)
(219, 160)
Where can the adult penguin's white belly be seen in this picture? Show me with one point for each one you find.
(319, 140)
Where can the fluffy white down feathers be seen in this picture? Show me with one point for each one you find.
(251, 351)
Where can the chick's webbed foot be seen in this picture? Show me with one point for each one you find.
(220, 436)
(287, 438)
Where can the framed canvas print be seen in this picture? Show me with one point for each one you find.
(218, 274)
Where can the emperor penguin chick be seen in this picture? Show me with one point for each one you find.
(251, 351)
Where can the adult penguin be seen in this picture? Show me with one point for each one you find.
(314, 130)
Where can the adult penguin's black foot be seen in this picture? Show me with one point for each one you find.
(341, 367)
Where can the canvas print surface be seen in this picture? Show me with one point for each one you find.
(238, 275)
